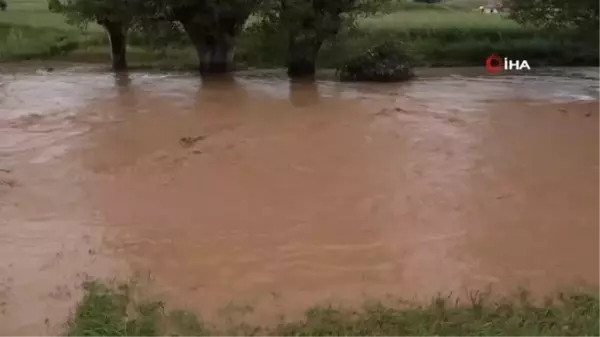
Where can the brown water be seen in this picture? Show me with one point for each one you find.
(283, 196)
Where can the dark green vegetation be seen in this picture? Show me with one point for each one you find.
(302, 35)
(116, 310)
(581, 15)
(112, 310)
(22, 43)
(387, 62)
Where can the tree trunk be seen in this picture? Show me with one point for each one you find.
(195, 34)
(214, 49)
(217, 55)
(302, 55)
(117, 34)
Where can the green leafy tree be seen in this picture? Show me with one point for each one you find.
(211, 26)
(115, 16)
(3, 5)
(581, 15)
(309, 23)
(157, 35)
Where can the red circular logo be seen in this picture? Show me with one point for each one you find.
(494, 64)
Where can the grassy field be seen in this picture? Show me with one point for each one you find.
(452, 34)
(429, 19)
(35, 13)
(120, 310)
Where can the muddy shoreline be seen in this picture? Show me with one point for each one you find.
(41, 66)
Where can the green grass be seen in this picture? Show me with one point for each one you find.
(431, 19)
(34, 13)
(34, 18)
(28, 5)
(29, 31)
(23, 42)
(109, 309)
(447, 5)
(436, 35)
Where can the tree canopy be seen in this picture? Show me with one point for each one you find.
(116, 16)
(307, 24)
(212, 25)
(82, 12)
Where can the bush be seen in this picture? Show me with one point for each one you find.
(385, 62)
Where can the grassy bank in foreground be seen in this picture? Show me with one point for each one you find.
(115, 310)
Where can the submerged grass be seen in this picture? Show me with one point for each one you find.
(109, 309)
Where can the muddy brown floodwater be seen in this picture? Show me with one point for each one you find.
(279, 196)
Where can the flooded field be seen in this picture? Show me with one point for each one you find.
(278, 196)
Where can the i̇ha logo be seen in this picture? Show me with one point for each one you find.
(496, 64)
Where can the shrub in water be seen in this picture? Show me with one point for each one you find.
(385, 62)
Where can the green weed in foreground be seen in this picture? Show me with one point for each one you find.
(112, 310)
